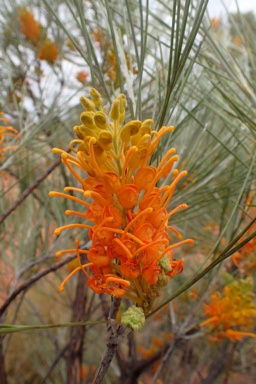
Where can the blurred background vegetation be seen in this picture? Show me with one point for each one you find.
(176, 66)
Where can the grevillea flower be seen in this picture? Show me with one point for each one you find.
(6, 131)
(123, 205)
(30, 28)
(231, 314)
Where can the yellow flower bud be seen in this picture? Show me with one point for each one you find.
(87, 103)
(123, 104)
(115, 110)
(105, 140)
(100, 119)
(145, 129)
(87, 119)
(130, 129)
(96, 97)
(81, 131)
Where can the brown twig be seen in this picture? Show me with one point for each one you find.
(116, 333)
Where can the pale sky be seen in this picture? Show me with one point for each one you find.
(215, 7)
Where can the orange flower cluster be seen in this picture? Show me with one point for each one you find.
(131, 254)
(33, 31)
(6, 131)
(30, 28)
(48, 51)
(231, 314)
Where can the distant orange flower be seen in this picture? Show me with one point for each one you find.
(30, 28)
(237, 40)
(82, 76)
(48, 51)
(131, 254)
(231, 314)
(215, 22)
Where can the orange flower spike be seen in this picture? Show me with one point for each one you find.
(126, 240)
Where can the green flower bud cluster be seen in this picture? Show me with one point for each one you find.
(133, 318)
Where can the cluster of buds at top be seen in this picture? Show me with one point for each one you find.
(131, 255)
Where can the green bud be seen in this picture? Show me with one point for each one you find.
(164, 264)
(133, 318)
